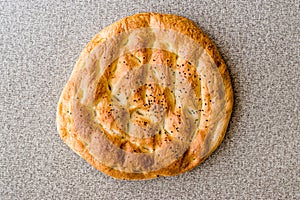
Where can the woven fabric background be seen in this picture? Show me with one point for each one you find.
(40, 42)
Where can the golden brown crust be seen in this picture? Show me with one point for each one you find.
(86, 113)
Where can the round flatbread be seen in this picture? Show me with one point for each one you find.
(149, 96)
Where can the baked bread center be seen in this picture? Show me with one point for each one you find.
(149, 100)
(148, 109)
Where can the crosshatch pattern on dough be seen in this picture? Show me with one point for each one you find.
(149, 96)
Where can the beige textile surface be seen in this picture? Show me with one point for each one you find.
(40, 42)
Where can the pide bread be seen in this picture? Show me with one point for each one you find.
(149, 96)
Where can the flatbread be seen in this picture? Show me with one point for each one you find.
(149, 96)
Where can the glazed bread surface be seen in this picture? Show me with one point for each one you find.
(149, 96)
